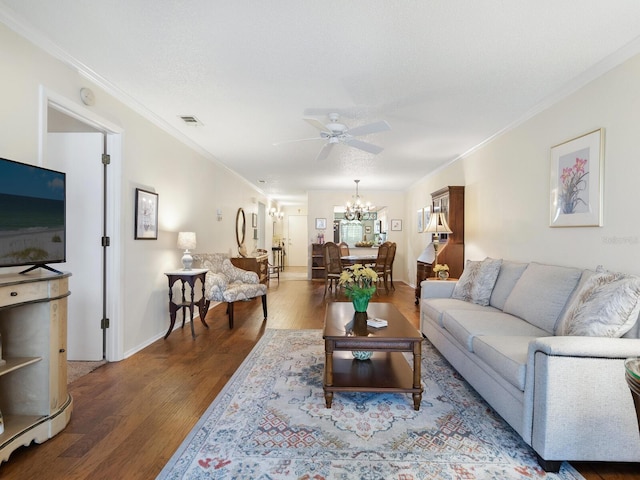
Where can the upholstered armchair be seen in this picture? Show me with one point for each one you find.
(227, 283)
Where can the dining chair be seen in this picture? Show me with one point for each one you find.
(391, 256)
(380, 266)
(332, 267)
(344, 249)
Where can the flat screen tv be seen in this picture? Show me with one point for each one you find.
(32, 216)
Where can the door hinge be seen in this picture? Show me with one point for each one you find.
(106, 241)
(106, 159)
(104, 323)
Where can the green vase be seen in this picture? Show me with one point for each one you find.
(361, 302)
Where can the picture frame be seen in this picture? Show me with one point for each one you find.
(396, 225)
(146, 215)
(420, 220)
(426, 217)
(321, 223)
(576, 179)
(367, 229)
(254, 220)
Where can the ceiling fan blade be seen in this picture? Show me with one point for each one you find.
(367, 147)
(324, 152)
(370, 128)
(276, 144)
(317, 124)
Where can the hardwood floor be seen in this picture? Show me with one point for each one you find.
(129, 417)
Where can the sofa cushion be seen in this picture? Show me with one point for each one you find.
(541, 293)
(477, 281)
(607, 305)
(435, 307)
(509, 274)
(507, 355)
(464, 325)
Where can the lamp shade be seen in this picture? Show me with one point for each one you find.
(437, 224)
(186, 240)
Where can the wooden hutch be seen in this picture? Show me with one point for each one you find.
(450, 201)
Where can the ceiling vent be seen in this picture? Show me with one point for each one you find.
(191, 120)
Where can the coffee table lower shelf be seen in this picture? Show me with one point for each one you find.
(384, 372)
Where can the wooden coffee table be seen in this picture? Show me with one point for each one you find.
(387, 370)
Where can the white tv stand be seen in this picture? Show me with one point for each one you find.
(34, 401)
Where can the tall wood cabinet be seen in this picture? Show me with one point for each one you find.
(450, 201)
(34, 401)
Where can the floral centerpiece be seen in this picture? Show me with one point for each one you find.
(441, 270)
(359, 284)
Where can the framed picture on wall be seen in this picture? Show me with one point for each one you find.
(419, 220)
(576, 181)
(254, 220)
(427, 216)
(396, 225)
(321, 223)
(146, 215)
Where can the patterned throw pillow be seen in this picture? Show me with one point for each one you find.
(607, 305)
(477, 281)
(462, 290)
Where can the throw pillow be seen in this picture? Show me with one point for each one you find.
(462, 290)
(607, 305)
(477, 281)
(485, 281)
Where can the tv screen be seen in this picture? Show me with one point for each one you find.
(32, 215)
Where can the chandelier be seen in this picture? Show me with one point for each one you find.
(358, 210)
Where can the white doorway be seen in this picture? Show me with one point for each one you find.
(67, 116)
(298, 244)
(79, 156)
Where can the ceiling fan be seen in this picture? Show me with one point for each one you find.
(335, 132)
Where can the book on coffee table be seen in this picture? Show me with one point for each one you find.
(377, 322)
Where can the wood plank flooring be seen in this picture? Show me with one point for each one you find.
(129, 417)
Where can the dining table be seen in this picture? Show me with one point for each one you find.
(348, 260)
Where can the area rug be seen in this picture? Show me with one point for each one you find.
(77, 369)
(270, 422)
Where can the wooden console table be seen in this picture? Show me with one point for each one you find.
(259, 264)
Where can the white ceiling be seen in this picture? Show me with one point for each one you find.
(445, 74)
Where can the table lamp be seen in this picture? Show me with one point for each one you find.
(186, 242)
(437, 226)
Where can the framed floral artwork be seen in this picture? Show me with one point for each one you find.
(420, 220)
(576, 181)
(396, 225)
(321, 223)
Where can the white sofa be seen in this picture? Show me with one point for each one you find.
(530, 338)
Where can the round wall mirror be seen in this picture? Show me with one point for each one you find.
(241, 227)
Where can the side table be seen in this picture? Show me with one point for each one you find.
(187, 277)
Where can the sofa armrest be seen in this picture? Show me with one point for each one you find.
(437, 288)
(577, 403)
(592, 347)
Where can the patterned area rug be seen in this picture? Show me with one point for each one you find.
(270, 422)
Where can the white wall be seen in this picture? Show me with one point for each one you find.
(191, 187)
(507, 182)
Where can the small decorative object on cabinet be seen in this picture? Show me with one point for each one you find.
(317, 261)
(33, 381)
